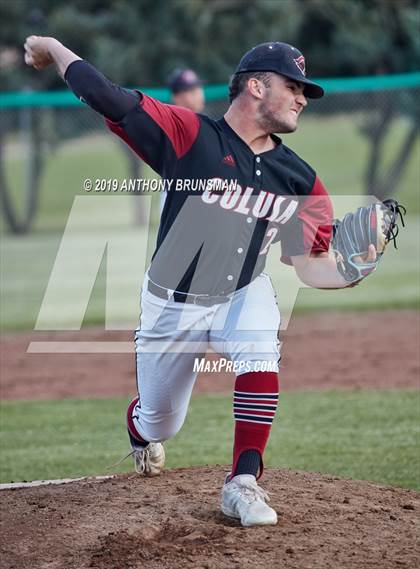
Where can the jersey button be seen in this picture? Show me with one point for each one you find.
(258, 159)
(258, 172)
(249, 219)
(229, 278)
(240, 250)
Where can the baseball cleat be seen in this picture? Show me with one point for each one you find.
(149, 460)
(243, 499)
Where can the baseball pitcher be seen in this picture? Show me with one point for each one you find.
(235, 190)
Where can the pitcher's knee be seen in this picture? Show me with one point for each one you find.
(150, 425)
(161, 430)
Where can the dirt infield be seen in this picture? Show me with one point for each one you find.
(173, 521)
(328, 351)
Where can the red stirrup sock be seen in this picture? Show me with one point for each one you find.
(136, 439)
(254, 406)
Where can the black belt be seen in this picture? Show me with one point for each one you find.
(200, 299)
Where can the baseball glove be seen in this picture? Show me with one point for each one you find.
(375, 224)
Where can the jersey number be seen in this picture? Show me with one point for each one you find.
(271, 234)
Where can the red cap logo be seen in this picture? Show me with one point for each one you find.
(300, 63)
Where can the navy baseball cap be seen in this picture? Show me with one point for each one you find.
(183, 80)
(280, 58)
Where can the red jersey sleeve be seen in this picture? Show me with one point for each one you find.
(159, 133)
(315, 218)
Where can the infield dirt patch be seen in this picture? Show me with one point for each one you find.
(173, 521)
(346, 350)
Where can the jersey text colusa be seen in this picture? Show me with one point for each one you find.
(264, 205)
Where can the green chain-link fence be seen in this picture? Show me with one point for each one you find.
(362, 137)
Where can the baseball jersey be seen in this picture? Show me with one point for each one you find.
(225, 204)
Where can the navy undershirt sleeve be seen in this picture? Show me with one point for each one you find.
(94, 89)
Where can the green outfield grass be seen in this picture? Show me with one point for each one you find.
(338, 152)
(94, 156)
(371, 435)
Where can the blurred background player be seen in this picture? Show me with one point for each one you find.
(187, 89)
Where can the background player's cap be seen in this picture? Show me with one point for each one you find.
(280, 58)
(183, 80)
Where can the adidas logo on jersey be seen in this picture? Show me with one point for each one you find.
(229, 160)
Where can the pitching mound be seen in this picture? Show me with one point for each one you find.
(174, 521)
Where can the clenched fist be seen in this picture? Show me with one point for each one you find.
(37, 51)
